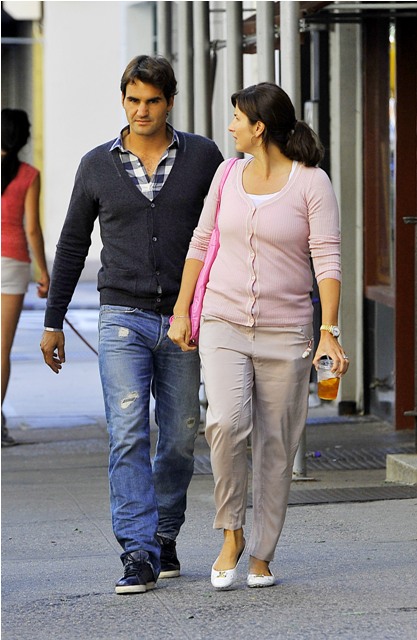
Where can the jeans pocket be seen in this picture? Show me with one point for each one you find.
(112, 308)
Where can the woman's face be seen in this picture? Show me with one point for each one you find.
(243, 131)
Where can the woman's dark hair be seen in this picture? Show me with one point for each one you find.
(15, 132)
(268, 103)
(151, 70)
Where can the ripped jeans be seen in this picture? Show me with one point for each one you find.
(136, 358)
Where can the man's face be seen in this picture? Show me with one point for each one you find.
(146, 108)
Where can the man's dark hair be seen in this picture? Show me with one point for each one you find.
(154, 70)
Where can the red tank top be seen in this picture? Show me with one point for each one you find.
(13, 238)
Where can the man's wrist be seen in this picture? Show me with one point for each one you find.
(52, 330)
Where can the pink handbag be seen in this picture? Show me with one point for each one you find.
(200, 287)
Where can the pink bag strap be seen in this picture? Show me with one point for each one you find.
(226, 172)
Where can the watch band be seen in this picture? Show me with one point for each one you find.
(331, 328)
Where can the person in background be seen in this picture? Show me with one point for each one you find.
(256, 335)
(147, 189)
(20, 230)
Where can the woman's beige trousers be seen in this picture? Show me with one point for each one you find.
(256, 382)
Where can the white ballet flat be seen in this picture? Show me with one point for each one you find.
(225, 578)
(260, 580)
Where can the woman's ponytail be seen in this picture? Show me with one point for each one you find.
(15, 132)
(9, 167)
(304, 145)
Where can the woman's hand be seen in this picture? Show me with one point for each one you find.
(180, 333)
(329, 346)
(43, 285)
(180, 329)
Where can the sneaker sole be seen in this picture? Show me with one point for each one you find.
(138, 588)
(171, 573)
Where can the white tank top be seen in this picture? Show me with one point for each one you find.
(259, 199)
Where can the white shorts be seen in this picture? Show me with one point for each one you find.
(15, 276)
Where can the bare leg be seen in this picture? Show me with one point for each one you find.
(11, 307)
(233, 545)
(259, 567)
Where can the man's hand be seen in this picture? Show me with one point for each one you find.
(53, 349)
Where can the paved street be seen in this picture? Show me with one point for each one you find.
(346, 563)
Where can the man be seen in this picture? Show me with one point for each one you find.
(147, 189)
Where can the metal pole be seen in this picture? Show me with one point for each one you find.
(164, 29)
(265, 40)
(185, 66)
(234, 43)
(202, 76)
(314, 65)
(290, 52)
(234, 52)
(291, 83)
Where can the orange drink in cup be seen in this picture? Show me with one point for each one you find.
(328, 382)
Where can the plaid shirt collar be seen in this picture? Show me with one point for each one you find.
(149, 187)
(118, 143)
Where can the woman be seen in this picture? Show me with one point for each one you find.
(20, 187)
(256, 336)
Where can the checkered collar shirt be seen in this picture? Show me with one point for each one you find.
(149, 186)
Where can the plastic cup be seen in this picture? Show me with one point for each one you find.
(328, 382)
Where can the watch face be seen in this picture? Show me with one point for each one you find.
(336, 332)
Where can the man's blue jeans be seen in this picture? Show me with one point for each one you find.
(136, 358)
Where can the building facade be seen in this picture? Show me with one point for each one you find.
(350, 68)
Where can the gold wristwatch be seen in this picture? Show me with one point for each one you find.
(331, 328)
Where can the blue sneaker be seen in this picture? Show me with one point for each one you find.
(170, 565)
(138, 575)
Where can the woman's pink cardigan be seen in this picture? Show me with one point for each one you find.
(262, 274)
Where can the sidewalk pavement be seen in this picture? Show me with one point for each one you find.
(346, 563)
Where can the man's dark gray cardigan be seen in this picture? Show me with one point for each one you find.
(144, 242)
